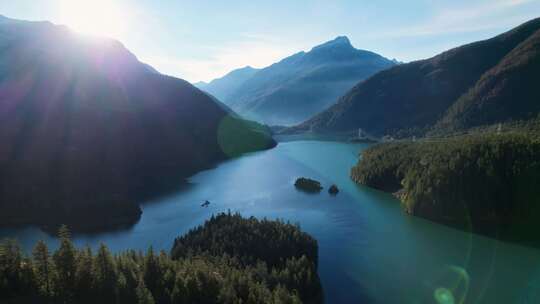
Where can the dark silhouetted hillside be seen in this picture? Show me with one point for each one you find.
(509, 91)
(86, 129)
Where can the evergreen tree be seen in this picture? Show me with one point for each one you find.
(282, 296)
(241, 276)
(10, 262)
(84, 277)
(28, 278)
(105, 275)
(152, 274)
(144, 296)
(179, 293)
(65, 266)
(43, 267)
(128, 268)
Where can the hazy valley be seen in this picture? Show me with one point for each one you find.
(298, 86)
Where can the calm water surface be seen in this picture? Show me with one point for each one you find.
(369, 250)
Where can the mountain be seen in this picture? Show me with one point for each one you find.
(87, 131)
(223, 87)
(303, 84)
(470, 85)
(508, 91)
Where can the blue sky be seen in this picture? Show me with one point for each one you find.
(202, 40)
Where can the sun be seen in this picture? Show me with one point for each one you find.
(94, 17)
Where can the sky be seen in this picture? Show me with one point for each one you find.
(199, 40)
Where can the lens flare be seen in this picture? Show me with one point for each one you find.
(236, 136)
(443, 296)
(96, 17)
(451, 286)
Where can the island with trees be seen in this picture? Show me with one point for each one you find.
(229, 259)
(308, 185)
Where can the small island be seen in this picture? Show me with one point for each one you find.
(333, 190)
(308, 185)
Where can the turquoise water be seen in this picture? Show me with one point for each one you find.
(370, 252)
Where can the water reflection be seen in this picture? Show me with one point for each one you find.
(369, 250)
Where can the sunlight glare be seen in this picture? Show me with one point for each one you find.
(94, 17)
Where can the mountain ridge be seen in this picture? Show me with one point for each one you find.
(413, 97)
(87, 131)
(498, 95)
(304, 83)
(222, 87)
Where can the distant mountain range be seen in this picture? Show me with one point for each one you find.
(223, 87)
(481, 83)
(298, 86)
(86, 129)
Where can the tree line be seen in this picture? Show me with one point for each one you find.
(193, 273)
(476, 181)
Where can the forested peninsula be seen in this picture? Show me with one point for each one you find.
(485, 181)
(229, 259)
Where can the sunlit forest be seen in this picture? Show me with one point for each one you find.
(229, 259)
(475, 181)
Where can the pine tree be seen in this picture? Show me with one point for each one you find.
(282, 296)
(179, 293)
(152, 274)
(65, 266)
(43, 267)
(10, 263)
(84, 276)
(105, 275)
(128, 269)
(144, 296)
(28, 278)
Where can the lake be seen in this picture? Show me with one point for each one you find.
(370, 251)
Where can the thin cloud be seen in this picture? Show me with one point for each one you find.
(257, 52)
(467, 19)
(208, 61)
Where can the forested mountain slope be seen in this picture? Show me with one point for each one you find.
(508, 91)
(85, 129)
(411, 98)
